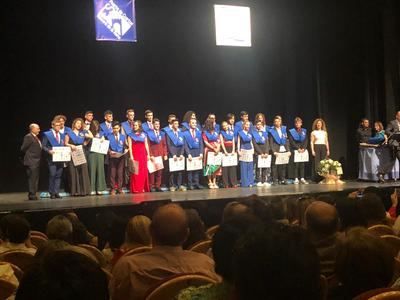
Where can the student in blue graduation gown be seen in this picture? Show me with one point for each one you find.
(106, 127)
(261, 149)
(170, 121)
(118, 144)
(213, 118)
(53, 138)
(244, 117)
(127, 126)
(175, 145)
(279, 143)
(78, 175)
(148, 124)
(298, 142)
(230, 120)
(259, 117)
(246, 167)
(194, 150)
(166, 175)
(190, 114)
(227, 137)
(62, 119)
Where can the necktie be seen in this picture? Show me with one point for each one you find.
(193, 134)
(116, 138)
(131, 124)
(57, 137)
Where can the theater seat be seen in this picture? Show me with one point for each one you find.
(21, 259)
(201, 247)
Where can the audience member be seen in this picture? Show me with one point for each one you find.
(15, 233)
(64, 275)
(372, 209)
(197, 229)
(223, 242)
(134, 275)
(234, 208)
(137, 233)
(322, 224)
(276, 261)
(59, 228)
(363, 263)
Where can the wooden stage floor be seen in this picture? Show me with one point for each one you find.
(17, 201)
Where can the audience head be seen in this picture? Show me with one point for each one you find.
(302, 204)
(197, 229)
(79, 231)
(64, 274)
(224, 241)
(349, 213)
(138, 231)
(277, 261)
(371, 209)
(59, 228)
(321, 219)
(278, 209)
(363, 262)
(234, 208)
(117, 233)
(169, 226)
(327, 198)
(14, 229)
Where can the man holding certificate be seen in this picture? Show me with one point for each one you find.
(175, 144)
(298, 143)
(261, 150)
(194, 151)
(158, 150)
(52, 139)
(279, 144)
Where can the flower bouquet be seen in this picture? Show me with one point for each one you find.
(331, 170)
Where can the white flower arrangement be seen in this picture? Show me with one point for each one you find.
(329, 166)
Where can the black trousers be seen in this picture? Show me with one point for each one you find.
(33, 174)
(320, 154)
(299, 170)
(229, 176)
(278, 171)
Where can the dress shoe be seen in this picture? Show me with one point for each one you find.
(52, 196)
(57, 196)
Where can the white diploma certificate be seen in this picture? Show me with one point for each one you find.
(229, 160)
(246, 155)
(264, 162)
(61, 154)
(155, 165)
(100, 146)
(78, 156)
(301, 157)
(282, 158)
(214, 158)
(195, 164)
(176, 165)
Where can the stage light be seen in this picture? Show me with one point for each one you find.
(232, 25)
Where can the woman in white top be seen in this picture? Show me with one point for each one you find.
(319, 142)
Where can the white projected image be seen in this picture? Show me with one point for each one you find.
(232, 25)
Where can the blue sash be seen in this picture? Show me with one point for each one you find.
(260, 139)
(53, 141)
(176, 140)
(298, 137)
(126, 126)
(193, 143)
(246, 137)
(117, 147)
(153, 138)
(227, 135)
(166, 129)
(137, 137)
(212, 137)
(185, 125)
(77, 139)
(275, 135)
(105, 129)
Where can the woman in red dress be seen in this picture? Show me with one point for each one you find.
(139, 155)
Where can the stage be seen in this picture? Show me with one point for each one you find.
(17, 201)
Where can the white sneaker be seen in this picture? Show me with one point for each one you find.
(92, 193)
(296, 181)
(259, 184)
(267, 184)
(303, 181)
(215, 186)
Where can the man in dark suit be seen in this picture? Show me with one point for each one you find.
(32, 149)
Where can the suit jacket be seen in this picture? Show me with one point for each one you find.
(32, 150)
(274, 146)
(392, 127)
(261, 148)
(295, 144)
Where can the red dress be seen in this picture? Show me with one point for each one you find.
(140, 181)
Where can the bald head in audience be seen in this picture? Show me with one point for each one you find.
(169, 226)
(321, 218)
